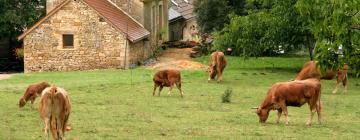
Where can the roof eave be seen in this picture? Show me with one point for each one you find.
(138, 39)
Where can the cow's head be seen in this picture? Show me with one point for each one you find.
(22, 102)
(212, 72)
(262, 113)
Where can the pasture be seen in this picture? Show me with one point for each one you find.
(118, 104)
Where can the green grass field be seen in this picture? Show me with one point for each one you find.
(118, 104)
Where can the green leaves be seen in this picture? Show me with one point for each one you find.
(268, 25)
(332, 24)
(18, 14)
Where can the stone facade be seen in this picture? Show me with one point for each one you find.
(97, 44)
(190, 30)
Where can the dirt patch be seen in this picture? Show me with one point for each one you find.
(5, 76)
(177, 58)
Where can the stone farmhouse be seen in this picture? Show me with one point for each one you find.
(94, 34)
(182, 21)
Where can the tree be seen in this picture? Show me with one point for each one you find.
(211, 14)
(268, 27)
(16, 15)
(333, 23)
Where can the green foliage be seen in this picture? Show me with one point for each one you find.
(19, 53)
(269, 25)
(211, 14)
(226, 97)
(332, 23)
(16, 15)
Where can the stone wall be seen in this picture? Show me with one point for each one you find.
(97, 44)
(190, 29)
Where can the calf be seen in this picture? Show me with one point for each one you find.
(32, 92)
(293, 93)
(216, 66)
(309, 70)
(55, 110)
(167, 78)
(342, 78)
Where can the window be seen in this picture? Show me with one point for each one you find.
(68, 41)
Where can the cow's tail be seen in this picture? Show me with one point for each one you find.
(53, 127)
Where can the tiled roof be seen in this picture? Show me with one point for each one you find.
(134, 30)
(173, 14)
(114, 15)
(184, 7)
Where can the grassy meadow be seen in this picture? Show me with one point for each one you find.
(118, 104)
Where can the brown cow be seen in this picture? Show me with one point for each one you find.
(216, 66)
(55, 110)
(342, 78)
(32, 92)
(292, 93)
(309, 70)
(167, 78)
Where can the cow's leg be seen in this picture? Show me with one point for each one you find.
(32, 104)
(155, 86)
(47, 128)
(178, 85)
(284, 109)
(60, 129)
(336, 88)
(160, 89)
(170, 89)
(318, 111)
(313, 108)
(219, 73)
(345, 84)
(279, 115)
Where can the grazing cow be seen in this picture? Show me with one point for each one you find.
(55, 110)
(309, 70)
(292, 93)
(342, 78)
(167, 78)
(32, 92)
(216, 66)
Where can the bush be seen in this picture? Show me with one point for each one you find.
(226, 97)
(19, 53)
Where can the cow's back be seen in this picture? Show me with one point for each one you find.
(167, 77)
(309, 70)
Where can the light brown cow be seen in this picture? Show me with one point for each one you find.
(55, 110)
(32, 92)
(342, 78)
(167, 78)
(292, 93)
(309, 70)
(216, 66)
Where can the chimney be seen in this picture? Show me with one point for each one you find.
(51, 4)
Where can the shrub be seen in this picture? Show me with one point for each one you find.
(226, 97)
(19, 53)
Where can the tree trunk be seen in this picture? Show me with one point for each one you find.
(311, 46)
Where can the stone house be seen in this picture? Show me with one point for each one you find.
(94, 34)
(182, 21)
